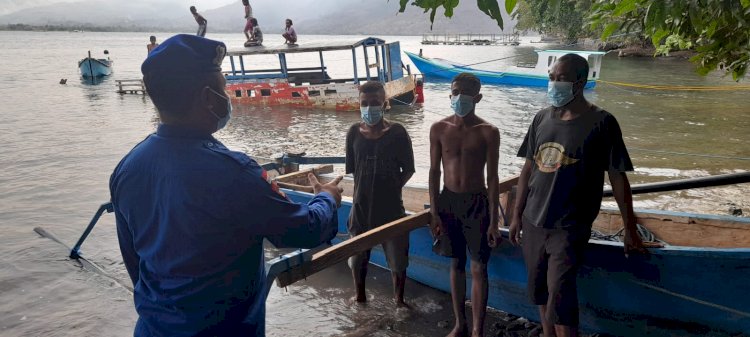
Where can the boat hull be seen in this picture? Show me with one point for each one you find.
(675, 291)
(335, 96)
(91, 67)
(446, 72)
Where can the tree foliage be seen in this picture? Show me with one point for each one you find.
(718, 29)
(565, 19)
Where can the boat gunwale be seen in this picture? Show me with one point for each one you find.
(671, 250)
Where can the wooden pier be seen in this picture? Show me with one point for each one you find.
(472, 39)
(130, 87)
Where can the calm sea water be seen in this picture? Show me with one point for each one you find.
(61, 142)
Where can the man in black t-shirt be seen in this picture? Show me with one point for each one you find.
(568, 148)
(380, 155)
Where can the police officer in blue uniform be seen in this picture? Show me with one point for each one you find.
(192, 215)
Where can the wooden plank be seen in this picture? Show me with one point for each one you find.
(360, 243)
(295, 187)
(506, 184)
(300, 177)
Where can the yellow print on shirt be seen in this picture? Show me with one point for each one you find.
(551, 156)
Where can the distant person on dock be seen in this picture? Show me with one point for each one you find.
(248, 17)
(202, 22)
(568, 148)
(379, 154)
(465, 213)
(257, 37)
(192, 215)
(152, 45)
(290, 36)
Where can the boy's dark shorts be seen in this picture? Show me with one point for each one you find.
(466, 218)
(553, 257)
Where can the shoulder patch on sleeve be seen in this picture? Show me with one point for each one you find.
(274, 185)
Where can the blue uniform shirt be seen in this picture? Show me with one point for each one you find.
(191, 217)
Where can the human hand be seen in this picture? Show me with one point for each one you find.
(436, 225)
(515, 231)
(494, 237)
(632, 242)
(332, 187)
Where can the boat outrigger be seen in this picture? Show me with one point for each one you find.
(313, 86)
(533, 75)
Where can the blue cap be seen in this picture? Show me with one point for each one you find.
(181, 54)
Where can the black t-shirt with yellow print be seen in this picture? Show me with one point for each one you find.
(570, 158)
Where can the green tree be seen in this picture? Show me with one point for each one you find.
(718, 29)
(565, 20)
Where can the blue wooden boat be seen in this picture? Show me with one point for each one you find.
(533, 75)
(93, 67)
(696, 285)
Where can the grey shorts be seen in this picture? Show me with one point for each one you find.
(396, 252)
(553, 258)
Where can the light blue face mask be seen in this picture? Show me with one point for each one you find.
(222, 121)
(462, 105)
(559, 93)
(371, 115)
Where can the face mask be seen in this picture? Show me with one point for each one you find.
(222, 121)
(560, 93)
(462, 105)
(371, 115)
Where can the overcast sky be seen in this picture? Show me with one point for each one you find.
(10, 6)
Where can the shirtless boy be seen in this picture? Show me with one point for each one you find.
(465, 213)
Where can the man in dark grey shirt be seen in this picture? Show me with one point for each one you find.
(568, 148)
(380, 155)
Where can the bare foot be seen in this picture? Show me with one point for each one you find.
(401, 304)
(459, 331)
(357, 300)
(475, 333)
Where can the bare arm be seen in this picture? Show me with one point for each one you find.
(521, 192)
(493, 154)
(624, 198)
(436, 153)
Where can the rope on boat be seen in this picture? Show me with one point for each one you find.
(677, 87)
(645, 234)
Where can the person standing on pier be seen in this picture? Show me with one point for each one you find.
(465, 214)
(192, 215)
(568, 148)
(379, 154)
(202, 22)
(151, 45)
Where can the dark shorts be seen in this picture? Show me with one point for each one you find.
(248, 25)
(553, 257)
(466, 218)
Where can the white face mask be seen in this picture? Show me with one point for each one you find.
(371, 115)
(222, 121)
(462, 105)
(560, 93)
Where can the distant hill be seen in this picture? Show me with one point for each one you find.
(372, 17)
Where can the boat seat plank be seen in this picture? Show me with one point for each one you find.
(360, 243)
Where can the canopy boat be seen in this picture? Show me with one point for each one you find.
(313, 86)
(92, 67)
(533, 75)
(695, 285)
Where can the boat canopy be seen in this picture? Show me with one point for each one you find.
(306, 47)
(548, 57)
